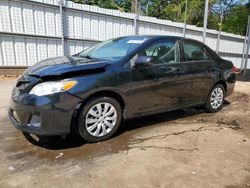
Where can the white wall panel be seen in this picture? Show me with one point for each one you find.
(130, 28)
(40, 20)
(1, 53)
(116, 28)
(31, 51)
(20, 51)
(59, 48)
(8, 50)
(71, 47)
(50, 22)
(16, 17)
(5, 16)
(83, 22)
(87, 26)
(109, 28)
(58, 24)
(123, 28)
(52, 48)
(42, 52)
(79, 46)
(78, 25)
(28, 18)
(94, 24)
(102, 28)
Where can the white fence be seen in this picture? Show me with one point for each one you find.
(34, 30)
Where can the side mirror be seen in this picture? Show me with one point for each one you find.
(143, 61)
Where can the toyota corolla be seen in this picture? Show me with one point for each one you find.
(90, 93)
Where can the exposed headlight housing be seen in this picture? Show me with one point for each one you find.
(51, 87)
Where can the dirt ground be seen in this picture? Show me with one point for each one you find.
(185, 148)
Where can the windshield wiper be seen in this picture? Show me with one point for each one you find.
(78, 55)
(87, 56)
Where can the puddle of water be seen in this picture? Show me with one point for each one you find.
(17, 147)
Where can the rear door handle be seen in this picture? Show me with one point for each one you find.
(213, 69)
(179, 71)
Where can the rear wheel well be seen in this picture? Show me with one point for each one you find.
(222, 83)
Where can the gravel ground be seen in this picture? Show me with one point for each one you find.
(185, 148)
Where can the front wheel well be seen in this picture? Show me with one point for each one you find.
(111, 94)
(114, 95)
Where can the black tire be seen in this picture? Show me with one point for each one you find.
(82, 129)
(36, 139)
(208, 105)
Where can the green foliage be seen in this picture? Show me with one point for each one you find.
(122, 5)
(235, 11)
(236, 21)
(157, 7)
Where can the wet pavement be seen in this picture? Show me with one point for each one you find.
(184, 148)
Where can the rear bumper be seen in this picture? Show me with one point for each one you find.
(230, 89)
(44, 115)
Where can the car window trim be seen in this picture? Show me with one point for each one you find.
(209, 61)
(176, 63)
(199, 44)
(154, 42)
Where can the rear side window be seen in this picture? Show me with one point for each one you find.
(195, 52)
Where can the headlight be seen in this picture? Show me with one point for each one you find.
(47, 88)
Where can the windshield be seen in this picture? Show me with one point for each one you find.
(113, 49)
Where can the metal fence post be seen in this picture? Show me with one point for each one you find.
(219, 34)
(246, 57)
(205, 21)
(61, 3)
(185, 19)
(136, 24)
(244, 45)
(136, 8)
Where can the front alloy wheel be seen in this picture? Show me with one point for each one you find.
(99, 119)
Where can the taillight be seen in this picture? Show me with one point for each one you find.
(234, 69)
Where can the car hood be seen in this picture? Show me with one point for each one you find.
(66, 66)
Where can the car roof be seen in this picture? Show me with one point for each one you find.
(154, 36)
(161, 36)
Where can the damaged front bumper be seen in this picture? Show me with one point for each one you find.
(43, 115)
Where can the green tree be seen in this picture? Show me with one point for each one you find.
(235, 12)
(175, 11)
(236, 21)
(156, 8)
(122, 5)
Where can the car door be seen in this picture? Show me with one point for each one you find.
(203, 68)
(164, 84)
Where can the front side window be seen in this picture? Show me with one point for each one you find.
(162, 52)
(195, 52)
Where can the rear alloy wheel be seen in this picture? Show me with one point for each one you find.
(216, 99)
(99, 119)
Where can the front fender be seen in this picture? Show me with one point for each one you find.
(102, 84)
